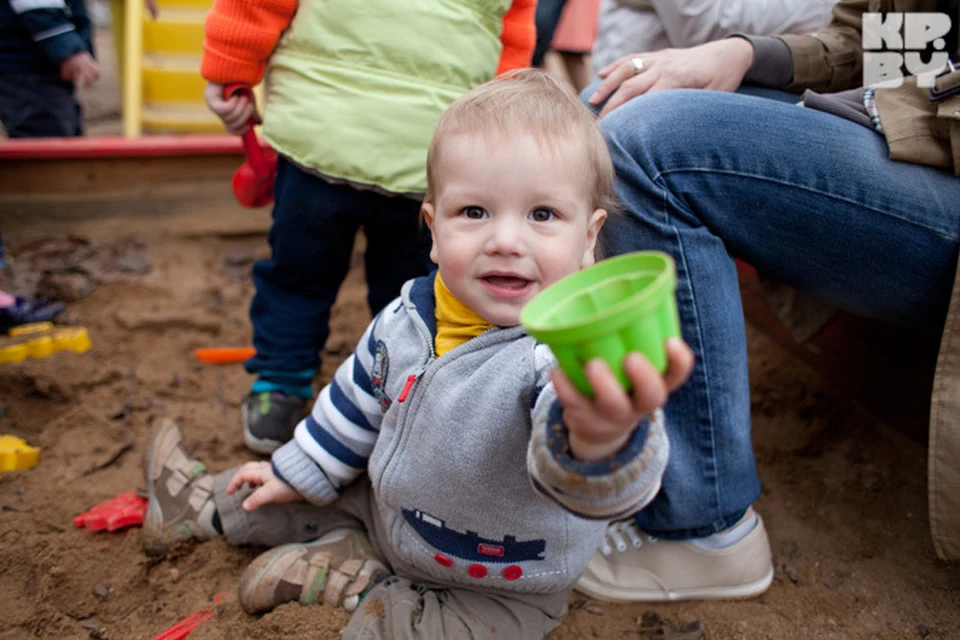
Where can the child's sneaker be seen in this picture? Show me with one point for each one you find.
(634, 567)
(26, 311)
(269, 418)
(337, 568)
(180, 505)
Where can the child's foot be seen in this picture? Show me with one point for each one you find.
(24, 311)
(337, 568)
(269, 418)
(180, 506)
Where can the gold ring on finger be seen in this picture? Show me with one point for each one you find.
(639, 66)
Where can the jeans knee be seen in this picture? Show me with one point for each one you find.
(648, 117)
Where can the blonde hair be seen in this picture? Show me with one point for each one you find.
(533, 102)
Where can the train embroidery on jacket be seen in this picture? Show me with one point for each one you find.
(469, 545)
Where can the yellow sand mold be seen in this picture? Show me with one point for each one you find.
(16, 454)
(42, 340)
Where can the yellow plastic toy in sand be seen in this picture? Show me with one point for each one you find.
(16, 454)
(42, 340)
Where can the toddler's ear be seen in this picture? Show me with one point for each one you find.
(427, 211)
(597, 218)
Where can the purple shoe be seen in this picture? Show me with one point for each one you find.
(25, 311)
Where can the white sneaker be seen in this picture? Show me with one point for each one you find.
(631, 566)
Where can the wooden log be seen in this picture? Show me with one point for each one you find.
(168, 184)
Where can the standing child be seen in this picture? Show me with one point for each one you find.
(489, 479)
(352, 94)
(46, 48)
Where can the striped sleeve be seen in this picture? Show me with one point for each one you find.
(332, 445)
(602, 490)
(49, 24)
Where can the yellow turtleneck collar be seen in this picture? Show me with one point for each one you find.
(456, 322)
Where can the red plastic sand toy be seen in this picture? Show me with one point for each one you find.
(120, 512)
(183, 628)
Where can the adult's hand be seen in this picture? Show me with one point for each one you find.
(719, 65)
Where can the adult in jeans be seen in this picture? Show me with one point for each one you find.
(854, 199)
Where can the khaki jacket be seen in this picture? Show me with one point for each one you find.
(921, 131)
(918, 129)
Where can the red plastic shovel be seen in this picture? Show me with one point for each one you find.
(253, 181)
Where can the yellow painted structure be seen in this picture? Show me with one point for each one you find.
(159, 63)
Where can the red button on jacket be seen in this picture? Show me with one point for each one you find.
(512, 572)
(477, 571)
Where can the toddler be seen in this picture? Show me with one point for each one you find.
(450, 478)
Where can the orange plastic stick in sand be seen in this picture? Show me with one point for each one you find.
(224, 355)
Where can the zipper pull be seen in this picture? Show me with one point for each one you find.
(406, 388)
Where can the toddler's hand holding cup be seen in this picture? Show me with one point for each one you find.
(615, 332)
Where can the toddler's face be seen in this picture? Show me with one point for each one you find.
(510, 216)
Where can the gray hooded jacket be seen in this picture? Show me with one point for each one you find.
(467, 455)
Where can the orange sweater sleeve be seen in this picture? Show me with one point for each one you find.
(518, 36)
(240, 36)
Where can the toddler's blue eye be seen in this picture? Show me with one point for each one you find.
(542, 215)
(474, 213)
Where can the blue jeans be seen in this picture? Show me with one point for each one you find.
(314, 226)
(804, 196)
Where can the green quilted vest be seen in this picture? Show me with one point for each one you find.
(355, 87)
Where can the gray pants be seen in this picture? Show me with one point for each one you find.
(401, 607)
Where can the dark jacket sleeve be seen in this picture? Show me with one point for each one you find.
(51, 27)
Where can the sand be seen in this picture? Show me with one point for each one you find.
(844, 497)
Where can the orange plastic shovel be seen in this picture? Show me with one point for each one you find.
(224, 355)
(253, 181)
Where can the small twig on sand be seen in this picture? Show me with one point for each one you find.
(130, 611)
(46, 523)
(126, 446)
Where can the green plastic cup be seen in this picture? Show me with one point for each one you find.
(616, 306)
